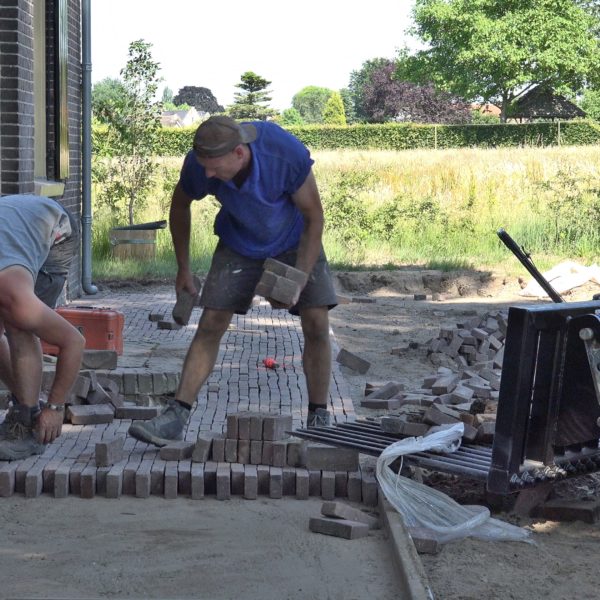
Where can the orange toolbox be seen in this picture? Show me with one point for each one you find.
(102, 328)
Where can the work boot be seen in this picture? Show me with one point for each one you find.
(319, 418)
(164, 428)
(18, 438)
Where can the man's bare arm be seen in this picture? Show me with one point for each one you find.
(180, 219)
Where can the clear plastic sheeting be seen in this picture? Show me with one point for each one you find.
(426, 508)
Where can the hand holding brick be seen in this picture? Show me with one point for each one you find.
(281, 282)
(185, 303)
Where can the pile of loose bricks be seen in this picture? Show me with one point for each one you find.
(465, 387)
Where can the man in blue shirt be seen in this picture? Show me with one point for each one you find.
(270, 207)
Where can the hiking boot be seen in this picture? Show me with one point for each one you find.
(164, 428)
(319, 418)
(18, 438)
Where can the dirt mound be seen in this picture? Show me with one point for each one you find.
(413, 281)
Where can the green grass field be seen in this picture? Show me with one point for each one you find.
(428, 208)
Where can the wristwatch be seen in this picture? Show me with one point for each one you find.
(55, 407)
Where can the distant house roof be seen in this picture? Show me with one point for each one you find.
(542, 103)
(487, 108)
(181, 118)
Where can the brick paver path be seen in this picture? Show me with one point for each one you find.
(239, 382)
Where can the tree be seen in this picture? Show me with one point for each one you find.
(358, 80)
(498, 49)
(590, 103)
(133, 124)
(310, 102)
(348, 101)
(201, 98)
(386, 98)
(106, 96)
(252, 101)
(167, 96)
(290, 116)
(333, 113)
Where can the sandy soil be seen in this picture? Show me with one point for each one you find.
(207, 549)
(559, 564)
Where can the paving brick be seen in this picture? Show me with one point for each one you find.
(34, 482)
(168, 325)
(256, 448)
(90, 415)
(377, 403)
(185, 303)
(7, 479)
(279, 454)
(171, 481)
(355, 486)
(108, 452)
(250, 482)
(561, 509)
(81, 387)
(218, 449)
(263, 475)
(276, 482)
(197, 481)
(256, 426)
(279, 268)
(350, 360)
(275, 427)
(184, 477)
(61, 481)
(314, 483)
(267, 453)
(232, 426)
(341, 484)
(114, 482)
(425, 541)
(330, 458)
(349, 530)
(295, 453)
(179, 450)
(327, 485)
(244, 452)
(99, 359)
(399, 426)
(386, 391)
(210, 478)
(231, 450)
(369, 488)
(135, 412)
(284, 290)
(157, 477)
(154, 317)
(302, 484)
(99, 396)
(237, 479)
(203, 448)
(88, 482)
(340, 510)
(288, 481)
(143, 479)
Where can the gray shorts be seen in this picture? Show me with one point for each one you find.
(51, 277)
(232, 279)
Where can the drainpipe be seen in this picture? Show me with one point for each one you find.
(86, 150)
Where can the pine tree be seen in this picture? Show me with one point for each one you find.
(252, 101)
(333, 113)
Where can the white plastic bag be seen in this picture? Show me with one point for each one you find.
(426, 508)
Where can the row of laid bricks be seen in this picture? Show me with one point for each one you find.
(183, 478)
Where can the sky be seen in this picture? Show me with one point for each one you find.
(210, 44)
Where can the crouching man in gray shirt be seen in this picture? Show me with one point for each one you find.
(38, 239)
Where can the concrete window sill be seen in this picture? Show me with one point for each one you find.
(44, 187)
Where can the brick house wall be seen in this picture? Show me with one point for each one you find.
(17, 108)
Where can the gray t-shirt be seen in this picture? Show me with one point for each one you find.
(29, 226)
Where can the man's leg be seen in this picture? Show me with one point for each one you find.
(199, 362)
(316, 361)
(26, 366)
(21, 366)
(202, 353)
(5, 364)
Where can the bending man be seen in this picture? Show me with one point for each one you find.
(270, 207)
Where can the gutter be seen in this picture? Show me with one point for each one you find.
(86, 150)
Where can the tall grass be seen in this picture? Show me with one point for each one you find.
(431, 208)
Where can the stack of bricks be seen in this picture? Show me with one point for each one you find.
(256, 456)
(279, 281)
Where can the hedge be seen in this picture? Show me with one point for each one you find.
(400, 136)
